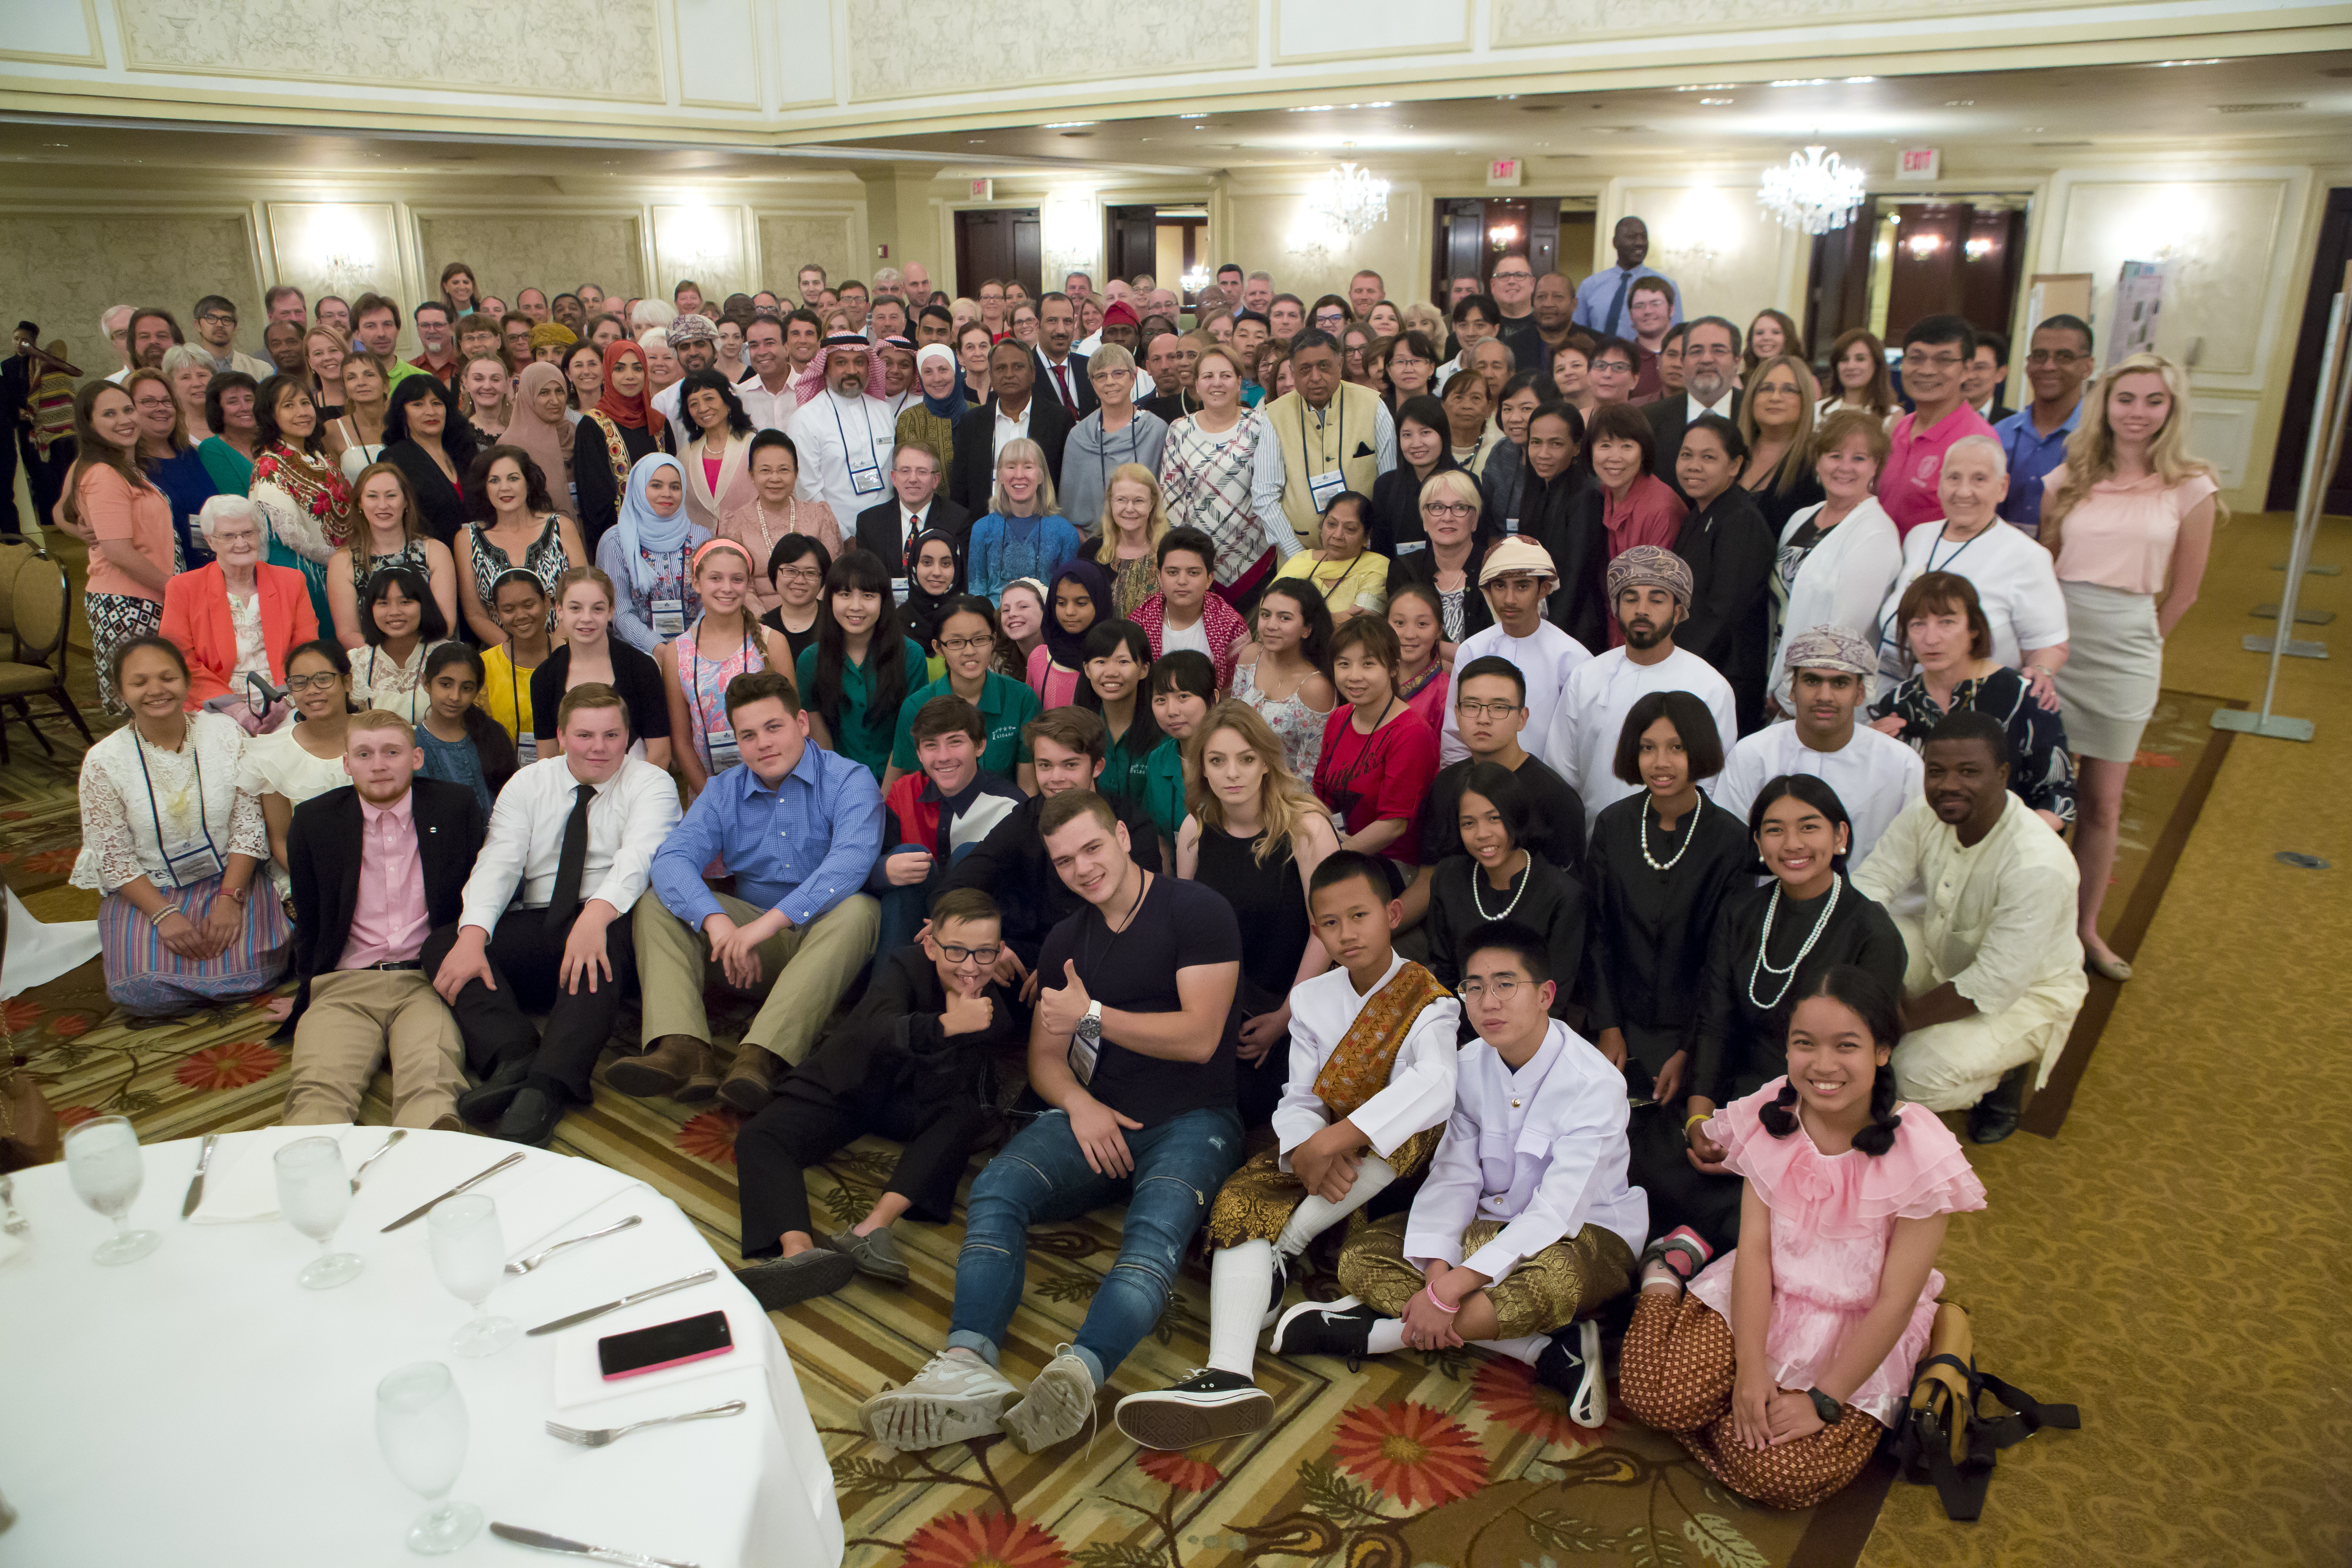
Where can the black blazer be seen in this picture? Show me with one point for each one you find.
(322, 855)
(1730, 552)
(592, 474)
(1082, 387)
(972, 478)
(1667, 423)
(1420, 566)
(877, 528)
(441, 504)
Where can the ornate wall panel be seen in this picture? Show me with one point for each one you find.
(555, 251)
(64, 268)
(894, 50)
(788, 241)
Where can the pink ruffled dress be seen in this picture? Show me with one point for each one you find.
(1832, 1216)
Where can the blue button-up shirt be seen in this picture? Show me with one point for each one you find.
(1599, 293)
(2031, 456)
(799, 848)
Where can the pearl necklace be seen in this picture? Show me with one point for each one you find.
(1479, 875)
(1789, 975)
(1689, 835)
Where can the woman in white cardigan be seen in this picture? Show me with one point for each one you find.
(1837, 559)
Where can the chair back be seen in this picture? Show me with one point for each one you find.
(14, 553)
(40, 606)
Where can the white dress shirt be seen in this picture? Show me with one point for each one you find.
(665, 402)
(1014, 426)
(1545, 660)
(1421, 1080)
(632, 813)
(1583, 743)
(828, 430)
(769, 410)
(1693, 407)
(1542, 1149)
(1876, 778)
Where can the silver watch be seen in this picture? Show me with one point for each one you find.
(1091, 1027)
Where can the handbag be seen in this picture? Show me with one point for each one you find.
(1943, 1436)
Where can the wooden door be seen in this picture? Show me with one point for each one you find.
(1461, 251)
(1838, 300)
(1134, 241)
(998, 242)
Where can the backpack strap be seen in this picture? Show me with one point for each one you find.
(2029, 1415)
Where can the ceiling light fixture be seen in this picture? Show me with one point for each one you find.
(1705, 86)
(2164, 65)
(1717, 101)
(1349, 199)
(1815, 191)
(1066, 124)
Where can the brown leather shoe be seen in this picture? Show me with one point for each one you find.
(665, 1069)
(748, 1086)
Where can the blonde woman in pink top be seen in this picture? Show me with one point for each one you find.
(2129, 519)
(110, 505)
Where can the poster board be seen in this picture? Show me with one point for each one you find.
(2139, 297)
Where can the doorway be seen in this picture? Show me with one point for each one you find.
(1900, 259)
(1001, 242)
(2303, 383)
(1170, 243)
(1472, 236)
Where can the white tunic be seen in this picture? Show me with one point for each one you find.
(123, 805)
(1876, 778)
(1591, 711)
(2013, 579)
(1545, 660)
(1420, 1082)
(1547, 1166)
(831, 433)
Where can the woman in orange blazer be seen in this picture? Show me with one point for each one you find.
(237, 614)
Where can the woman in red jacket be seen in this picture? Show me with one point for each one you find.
(237, 615)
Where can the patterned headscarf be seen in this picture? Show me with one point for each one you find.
(1651, 566)
(1829, 647)
(691, 329)
(635, 412)
(553, 334)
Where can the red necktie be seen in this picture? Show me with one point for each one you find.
(1062, 380)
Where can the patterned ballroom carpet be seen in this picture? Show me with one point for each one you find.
(2166, 1260)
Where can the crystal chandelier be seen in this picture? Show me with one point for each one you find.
(1815, 191)
(1348, 199)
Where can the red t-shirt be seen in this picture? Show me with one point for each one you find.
(1378, 777)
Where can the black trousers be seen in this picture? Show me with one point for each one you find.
(44, 479)
(527, 960)
(807, 1123)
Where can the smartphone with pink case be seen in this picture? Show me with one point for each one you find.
(641, 1350)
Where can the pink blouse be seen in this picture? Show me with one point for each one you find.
(1055, 687)
(1651, 513)
(1832, 1216)
(2122, 533)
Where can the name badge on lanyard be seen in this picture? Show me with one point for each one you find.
(1410, 546)
(196, 863)
(526, 740)
(1320, 486)
(669, 617)
(526, 748)
(864, 473)
(719, 745)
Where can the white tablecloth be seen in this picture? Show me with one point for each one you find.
(198, 1406)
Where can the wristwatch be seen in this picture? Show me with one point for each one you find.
(1091, 1027)
(1830, 1410)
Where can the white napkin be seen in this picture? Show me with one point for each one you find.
(557, 1191)
(580, 1373)
(11, 1247)
(243, 1182)
(40, 950)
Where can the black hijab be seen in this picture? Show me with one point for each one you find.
(920, 613)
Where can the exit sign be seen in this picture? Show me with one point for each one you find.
(1505, 172)
(984, 190)
(1919, 164)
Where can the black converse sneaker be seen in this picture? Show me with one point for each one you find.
(1340, 1328)
(1274, 1300)
(1208, 1407)
(1571, 1363)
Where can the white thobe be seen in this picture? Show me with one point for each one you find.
(1546, 661)
(830, 432)
(1876, 778)
(1591, 711)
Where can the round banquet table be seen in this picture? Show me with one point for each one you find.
(198, 1406)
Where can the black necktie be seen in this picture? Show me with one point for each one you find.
(574, 861)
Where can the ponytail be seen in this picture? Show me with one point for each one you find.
(1879, 1137)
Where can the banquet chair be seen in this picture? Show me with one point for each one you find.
(37, 610)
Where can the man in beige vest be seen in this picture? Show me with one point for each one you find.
(1327, 436)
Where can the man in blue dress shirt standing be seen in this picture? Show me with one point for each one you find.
(798, 827)
(1604, 304)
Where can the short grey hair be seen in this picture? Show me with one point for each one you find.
(656, 337)
(106, 319)
(182, 356)
(1110, 356)
(1991, 444)
(219, 509)
(653, 313)
(1258, 277)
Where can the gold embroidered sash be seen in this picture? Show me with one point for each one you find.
(1360, 1067)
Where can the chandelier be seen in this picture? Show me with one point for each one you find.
(1815, 191)
(1348, 199)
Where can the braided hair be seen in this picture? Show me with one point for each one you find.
(1867, 997)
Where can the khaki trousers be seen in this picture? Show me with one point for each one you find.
(357, 1017)
(803, 970)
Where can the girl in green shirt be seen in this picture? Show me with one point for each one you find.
(861, 667)
(1184, 688)
(1118, 665)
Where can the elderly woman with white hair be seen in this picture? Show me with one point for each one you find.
(2011, 573)
(237, 616)
(1115, 433)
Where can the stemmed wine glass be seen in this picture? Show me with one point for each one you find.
(470, 1254)
(103, 1162)
(314, 1192)
(421, 1428)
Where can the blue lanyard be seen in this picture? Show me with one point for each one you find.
(843, 430)
(154, 813)
(694, 654)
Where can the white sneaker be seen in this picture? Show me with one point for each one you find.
(957, 1396)
(1059, 1402)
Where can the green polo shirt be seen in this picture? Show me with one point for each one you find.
(857, 736)
(1163, 788)
(1005, 705)
(1124, 776)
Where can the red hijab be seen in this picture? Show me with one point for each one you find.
(636, 413)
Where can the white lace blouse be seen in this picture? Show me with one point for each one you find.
(120, 842)
(397, 686)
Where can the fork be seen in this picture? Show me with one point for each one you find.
(525, 1266)
(397, 1134)
(597, 1437)
(14, 1223)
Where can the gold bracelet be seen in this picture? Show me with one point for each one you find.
(1695, 1116)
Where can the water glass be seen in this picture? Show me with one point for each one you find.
(470, 1254)
(421, 1429)
(107, 1169)
(314, 1192)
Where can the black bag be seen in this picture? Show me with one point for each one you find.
(1943, 1436)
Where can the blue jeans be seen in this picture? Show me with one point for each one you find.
(1041, 1176)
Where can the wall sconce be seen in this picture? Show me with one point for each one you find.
(1503, 235)
(1923, 246)
(1976, 249)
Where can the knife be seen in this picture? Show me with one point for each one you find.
(196, 1183)
(692, 1279)
(546, 1542)
(413, 1216)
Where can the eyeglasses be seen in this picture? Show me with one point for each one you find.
(218, 318)
(1500, 990)
(1331, 320)
(311, 683)
(965, 645)
(1470, 710)
(1449, 507)
(1931, 361)
(963, 955)
(2053, 356)
(803, 574)
(1499, 277)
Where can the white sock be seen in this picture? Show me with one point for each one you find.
(1315, 1216)
(1241, 1279)
(1388, 1334)
(1525, 1350)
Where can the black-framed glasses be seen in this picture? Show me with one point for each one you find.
(965, 645)
(319, 682)
(218, 318)
(1469, 709)
(983, 956)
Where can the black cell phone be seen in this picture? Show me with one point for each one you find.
(664, 1344)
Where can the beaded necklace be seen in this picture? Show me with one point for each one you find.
(1764, 966)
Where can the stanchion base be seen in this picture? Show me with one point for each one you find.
(2309, 571)
(2277, 726)
(2297, 648)
(2302, 618)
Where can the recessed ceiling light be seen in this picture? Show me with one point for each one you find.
(1959, 103)
(1704, 87)
(1802, 81)
(1861, 78)
(1312, 109)
(1719, 101)
(977, 141)
(1203, 116)
(2162, 65)
(1506, 98)
(1066, 124)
